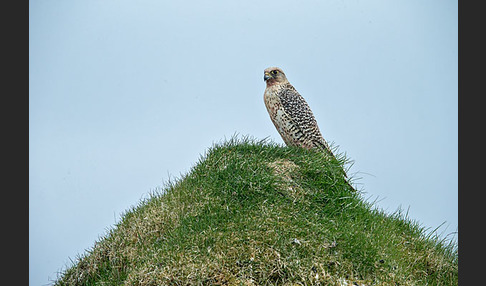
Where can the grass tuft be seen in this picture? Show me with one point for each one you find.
(251, 212)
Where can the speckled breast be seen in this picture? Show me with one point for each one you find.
(279, 117)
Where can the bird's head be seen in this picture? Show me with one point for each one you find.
(273, 75)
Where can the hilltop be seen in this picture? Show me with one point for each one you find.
(255, 213)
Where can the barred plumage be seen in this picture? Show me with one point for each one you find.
(290, 113)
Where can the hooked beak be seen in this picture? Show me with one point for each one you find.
(266, 77)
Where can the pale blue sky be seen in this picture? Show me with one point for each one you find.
(124, 94)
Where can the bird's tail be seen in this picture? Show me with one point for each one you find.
(324, 147)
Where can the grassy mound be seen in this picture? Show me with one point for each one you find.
(255, 213)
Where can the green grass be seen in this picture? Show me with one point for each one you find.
(255, 213)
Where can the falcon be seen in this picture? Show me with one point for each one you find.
(291, 114)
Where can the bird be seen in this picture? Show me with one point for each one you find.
(291, 114)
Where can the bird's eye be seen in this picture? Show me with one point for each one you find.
(274, 72)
